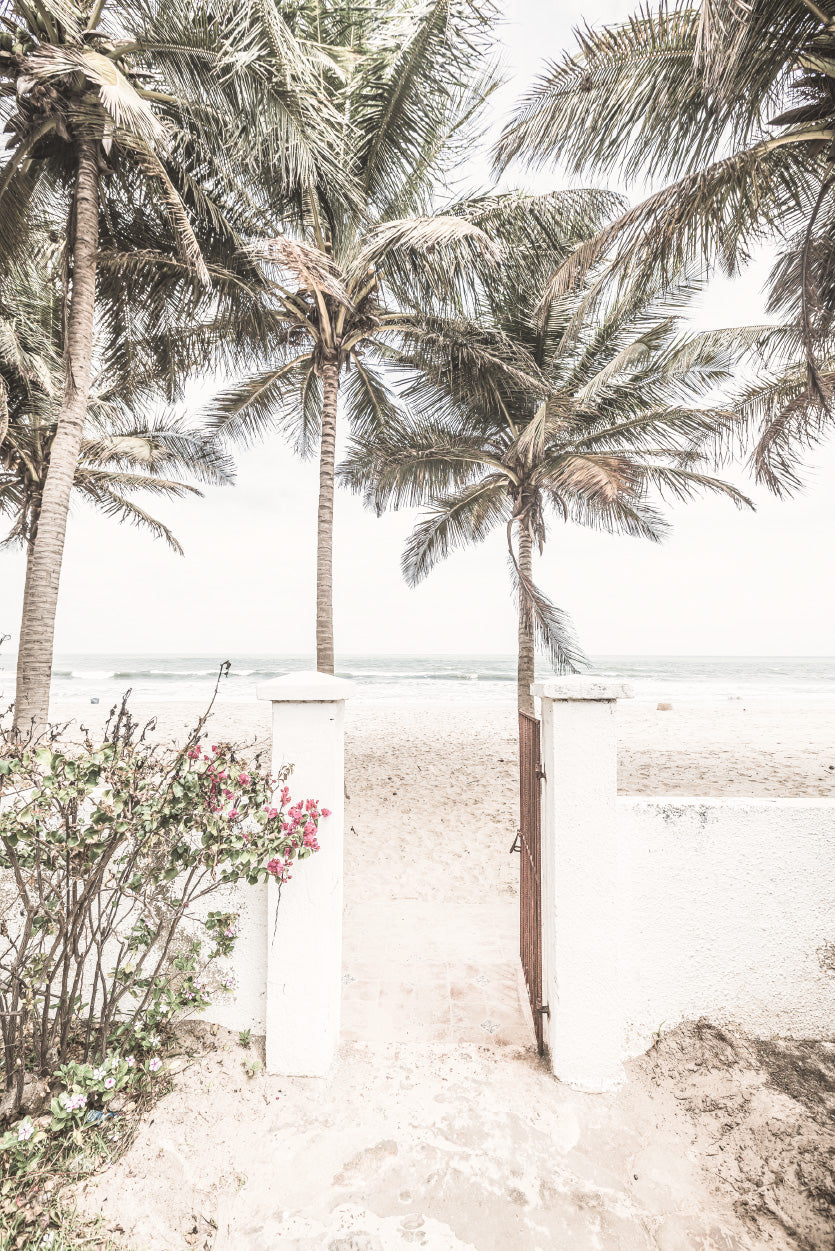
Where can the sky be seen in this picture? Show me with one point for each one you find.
(725, 581)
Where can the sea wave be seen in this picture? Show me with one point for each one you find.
(397, 675)
(372, 675)
(164, 674)
(456, 677)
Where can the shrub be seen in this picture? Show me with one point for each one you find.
(108, 849)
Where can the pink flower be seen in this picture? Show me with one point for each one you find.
(244, 779)
(233, 812)
(214, 749)
(309, 829)
(285, 795)
(272, 813)
(326, 812)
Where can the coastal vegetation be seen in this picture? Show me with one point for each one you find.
(273, 193)
(120, 455)
(111, 856)
(361, 279)
(601, 419)
(730, 108)
(117, 117)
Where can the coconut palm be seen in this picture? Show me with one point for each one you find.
(123, 120)
(120, 457)
(733, 107)
(115, 463)
(609, 426)
(353, 277)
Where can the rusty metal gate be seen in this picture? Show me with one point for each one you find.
(528, 844)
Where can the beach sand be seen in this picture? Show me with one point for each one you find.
(439, 1126)
(735, 747)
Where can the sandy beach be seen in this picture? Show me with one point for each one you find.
(439, 1125)
(735, 747)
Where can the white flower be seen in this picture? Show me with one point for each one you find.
(25, 1130)
(109, 1083)
(48, 1238)
(130, 1062)
(155, 1064)
(154, 1042)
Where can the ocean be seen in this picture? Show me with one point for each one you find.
(462, 679)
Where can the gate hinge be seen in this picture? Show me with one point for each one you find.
(540, 773)
(544, 1010)
(517, 842)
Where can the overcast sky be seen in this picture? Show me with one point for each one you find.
(724, 582)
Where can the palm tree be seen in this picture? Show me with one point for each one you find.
(119, 457)
(121, 122)
(610, 423)
(354, 276)
(733, 107)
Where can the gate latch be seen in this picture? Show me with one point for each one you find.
(517, 842)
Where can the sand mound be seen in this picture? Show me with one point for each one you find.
(764, 1114)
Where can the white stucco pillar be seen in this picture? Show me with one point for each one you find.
(304, 939)
(581, 883)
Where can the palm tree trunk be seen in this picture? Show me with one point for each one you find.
(40, 597)
(324, 543)
(525, 670)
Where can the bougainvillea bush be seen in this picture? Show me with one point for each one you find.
(108, 854)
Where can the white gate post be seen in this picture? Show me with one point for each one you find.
(581, 890)
(304, 939)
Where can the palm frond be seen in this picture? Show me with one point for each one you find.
(113, 504)
(683, 484)
(123, 103)
(255, 404)
(370, 406)
(312, 269)
(454, 521)
(552, 628)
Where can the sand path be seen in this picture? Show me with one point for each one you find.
(440, 1126)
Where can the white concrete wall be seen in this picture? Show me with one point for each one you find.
(288, 958)
(246, 1006)
(725, 906)
(657, 911)
(580, 965)
(304, 954)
